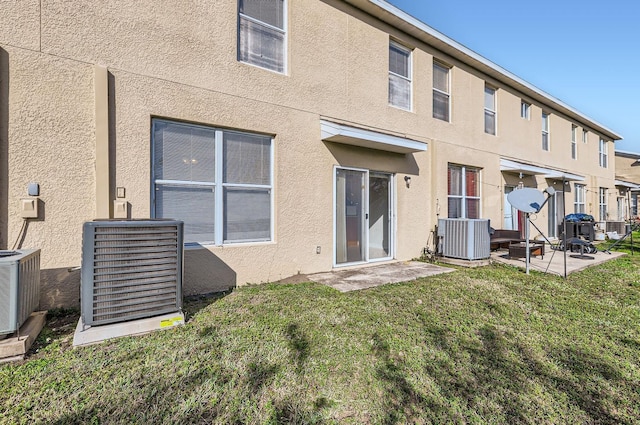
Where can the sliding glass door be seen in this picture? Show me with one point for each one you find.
(363, 216)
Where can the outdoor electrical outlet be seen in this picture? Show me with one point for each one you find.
(318, 249)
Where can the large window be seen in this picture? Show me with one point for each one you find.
(464, 192)
(490, 115)
(441, 92)
(578, 203)
(261, 33)
(574, 142)
(545, 131)
(217, 181)
(399, 76)
(603, 151)
(603, 204)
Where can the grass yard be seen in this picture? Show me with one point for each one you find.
(486, 345)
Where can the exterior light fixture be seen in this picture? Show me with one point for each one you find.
(407, 180)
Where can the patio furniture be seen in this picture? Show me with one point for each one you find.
(519, 249)
(501, 238)
(582, 244)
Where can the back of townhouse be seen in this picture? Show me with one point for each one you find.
(291, 136)
(628, 178)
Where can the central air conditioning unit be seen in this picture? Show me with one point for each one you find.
(130, 270)
(616, 226)
(19, 288)
(464, 238)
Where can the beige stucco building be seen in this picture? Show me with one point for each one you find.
(628, 178)
(292, 136)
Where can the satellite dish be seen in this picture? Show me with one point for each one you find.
(527, 200)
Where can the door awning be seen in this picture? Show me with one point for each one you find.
(528, 169)
(629, 185)
(340, 133)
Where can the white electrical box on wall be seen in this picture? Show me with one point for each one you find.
(29, 207)
(120, 208)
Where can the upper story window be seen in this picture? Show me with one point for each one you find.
(603, 151)
(585, 136)
(399, 76)
(441, 92)
(574, 142)
(545, 131)
(490, 114)
(463, 191)
(525, 110)
(262, 33)
(578, 202)
(219, 182)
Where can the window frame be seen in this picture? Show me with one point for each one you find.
(491, 112)
(602, 204)
(546, 136)
(464, 197)
(603, 153)
(525, 110)
(218, 185)
(579, 204)
(441, 92)
(284, 31)
(574, 141)
(408, 78)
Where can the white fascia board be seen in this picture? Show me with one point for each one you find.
(472, 58)
(549, 173)
(340, 133)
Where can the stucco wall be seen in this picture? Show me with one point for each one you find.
(178, 60)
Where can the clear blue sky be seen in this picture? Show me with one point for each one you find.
(585, 53)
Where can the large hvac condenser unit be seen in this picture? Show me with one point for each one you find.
(462, 238)
(19, 287)
(130, 270)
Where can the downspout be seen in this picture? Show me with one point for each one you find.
(101, 87)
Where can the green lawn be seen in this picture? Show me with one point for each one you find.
(475, 346)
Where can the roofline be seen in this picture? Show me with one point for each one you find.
(627, 154)
(397, 18)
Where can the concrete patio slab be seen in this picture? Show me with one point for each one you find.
(363, 277)
(553, 261)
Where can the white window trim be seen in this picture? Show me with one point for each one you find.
(525, 107)
(578, 200)
(603, 153)
(283, 30)
(409, 78)
(464, 197)
(545, 131)
(602, 204)
(493, 111)
(447, 94)
(218, 186)
(574, 142)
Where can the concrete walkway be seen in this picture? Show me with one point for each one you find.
(553, 261)
(353, 279)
